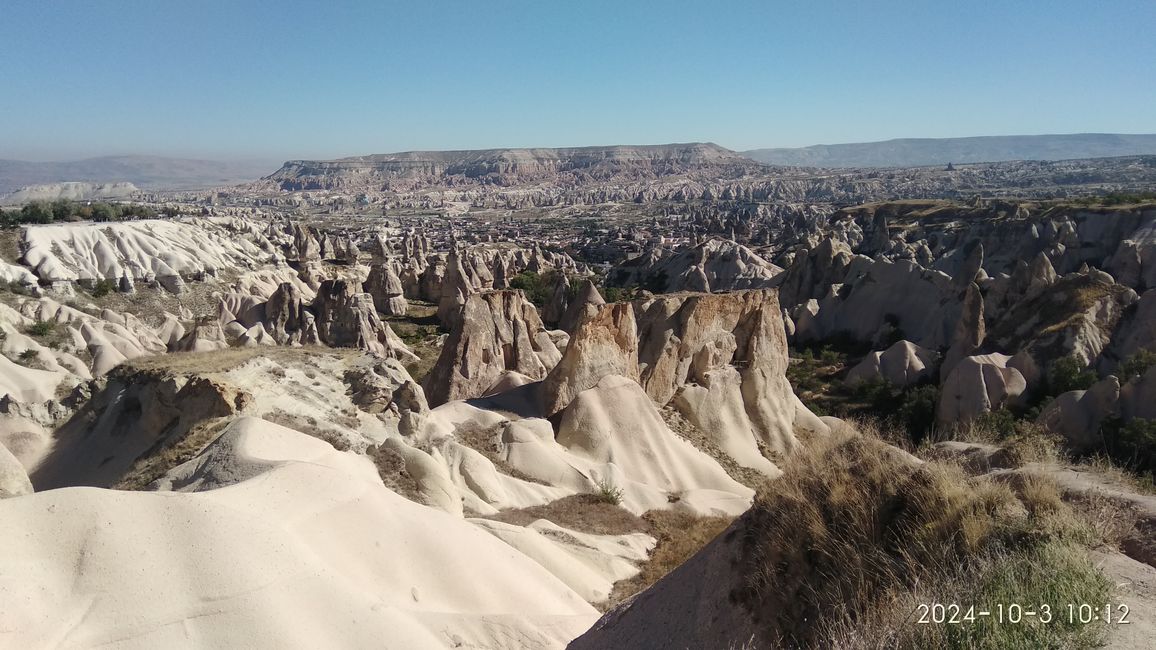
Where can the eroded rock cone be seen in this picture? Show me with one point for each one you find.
(305, 247)
(386, 288)
(584, 305)
(559, 301)
(286, 318)
(347, 318)
(455, 289)
(606, 343)
(499, 332)
(719, 359)
(969, 331)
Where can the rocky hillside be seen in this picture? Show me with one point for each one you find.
(413, 169)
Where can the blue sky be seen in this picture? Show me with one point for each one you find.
(303, 78)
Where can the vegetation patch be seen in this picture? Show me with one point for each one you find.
(582, 512)
(679, 536)
(175, 452)
(873, 534)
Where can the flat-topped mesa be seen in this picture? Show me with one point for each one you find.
(412, 169)
(499, 332)
(720, 359)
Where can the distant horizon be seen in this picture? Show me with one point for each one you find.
(230, 80)
(266, 159)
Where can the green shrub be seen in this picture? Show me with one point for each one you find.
(916, 413)
(1001, 423)
(615, 294)
(103, 288)
(28, 355)
(40, 328)
(608, 493)
(1131, 443)
(1069, 373)
(537, 287)
(1137, 364)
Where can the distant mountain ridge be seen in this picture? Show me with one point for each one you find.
(918, 152)
(145, 172)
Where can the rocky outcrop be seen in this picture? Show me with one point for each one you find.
(1136, 333)
(386, 288)
(714, 265)
(205, 336)
(498, 332)
(1078, 414)
(902, 364)
(347, 318)
(584, 305)
(135, 414)
(812, 275)
(1076, 316)
(385, 388)
(976, 385)
(720, 359)
(455, 289)
(287, 319)
(969, 331)
(604, 344)
(13, 478)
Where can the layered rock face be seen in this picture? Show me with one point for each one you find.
(720, 359)
(347, 318)
(416, 169)
(288, 320)
(498, 332)
(715, 265)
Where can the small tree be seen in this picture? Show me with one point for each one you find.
(61, 210)
(1137, 364)
(1069, 373)
(36, 212)
(104, 212)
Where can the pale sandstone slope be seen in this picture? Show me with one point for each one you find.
(293, 544)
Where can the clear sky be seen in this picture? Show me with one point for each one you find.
(304, 78)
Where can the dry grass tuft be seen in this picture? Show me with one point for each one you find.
(309, 426)
(836, 547)
(391, 468)
(582, 512)
(175, 452)
(679, 535)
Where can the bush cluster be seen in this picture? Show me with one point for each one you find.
(43, 212)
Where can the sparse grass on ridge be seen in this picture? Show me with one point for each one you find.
(844, 546)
